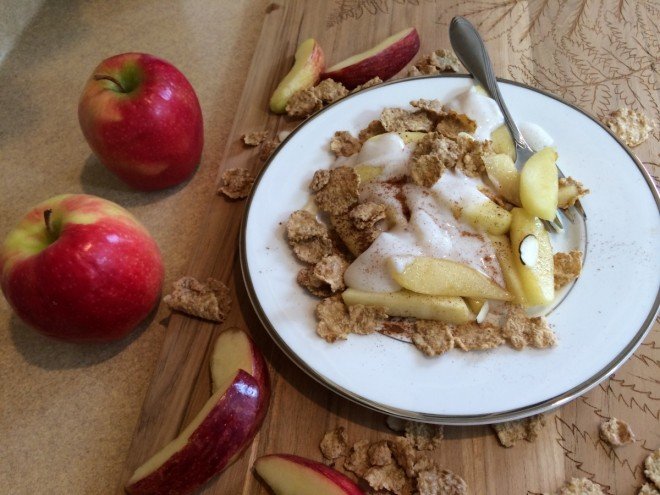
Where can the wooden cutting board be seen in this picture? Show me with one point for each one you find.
(596, 54)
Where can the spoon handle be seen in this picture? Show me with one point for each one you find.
(471, 51)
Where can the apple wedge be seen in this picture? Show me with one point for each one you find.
(442, 277)
(503, 142)
(539, 184)
(289, 474)
(383, 60)
(220, 432)
(505, 255)
(406, 303)
(502, 172)
(307, 68)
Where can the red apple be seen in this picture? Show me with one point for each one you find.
(221, 430)
(142, 119)
(289, 474)
(383, 60)
(309, 63)
(80, 268)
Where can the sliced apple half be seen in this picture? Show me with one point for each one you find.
(539, 184)
(383, 60)
(307, 68)
(220, 432)
(289, 474)
(442, 277)
(503, 142)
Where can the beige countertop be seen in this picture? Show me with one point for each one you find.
(67, 412)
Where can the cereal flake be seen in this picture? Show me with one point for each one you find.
(433, 337)
(374, 128)
(312, 283)
(631, 126)
(389, 477)
(404, 453)
(236, 183)
(652, 467)
(474, 337)
(521, 331)
(331, 271)
(400, 120)
(567, 267)
(309, 238)
(333, 322)
(267, 147)
(524, 429)
(648, 489)
(329, 90)
(341, 191)
(344, 144)
(434, 108)
(581, 486)
(365, 215)
(319, 180)
(365, 319)
(254, 138)
(570, 191)
(356, 240)
(370, 83)
(380, 453)
(426, 170)
(436, 481)
(303, 103)
(210, 301)
(472, 152)
(334, 444)
(435, 63)
(424, 436)
(451, 124)
(616, 432)
(358, 458)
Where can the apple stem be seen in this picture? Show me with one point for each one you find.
(49, 229)
(101, 77)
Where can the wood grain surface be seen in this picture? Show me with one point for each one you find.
(596, 54)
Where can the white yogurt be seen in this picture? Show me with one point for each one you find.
(537, 138)
(387, 151)
(480, 108)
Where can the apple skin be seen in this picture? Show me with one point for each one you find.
(95, 278)
(383, 60)
(223, 434)
(234, 349)
(276, 468)
(306, 71)
(151, 134)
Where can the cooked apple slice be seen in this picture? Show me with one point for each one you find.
(537, 279)
(307, 68)
(487, 217)
(223, 428)
(502, 142)
(406, 303)
(503, 174)
(289, 474)
(504, 254)
(539, 184)
(412, 136)
(442, 277)
(475, 305)
(367, 173)
(383, 60)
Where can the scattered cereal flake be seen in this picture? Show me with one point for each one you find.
(576, 189)
(631, 126)
(333, 445)
(399, 328)
(370, 83)
(389, 477)
(331, 271)
(395, 424)
(374, 128)
(254, 138)
(616, 432)
(236, 183)
(303, 103)
(426, 170)
(652, 467)
(404, 453)
(648, 489)
(520, 330)
(432, 107)
(356, 240)
(329, 90)
(267, 147)
(472, 153)
(333, 322)
(524, 429)
(567, 267)
(400, 120)
(210, 301)
(365, 319)
(424, 436)
(312, 283)
(433, 337)
(320, 179)
(581, 486)
(365, 215)
(445, 150)
(435, 63)
(358, 459)
(440, 482)
(451, 124)
(380, 453)
(341, 191)
(308, 237)
(474, 337)
(344, 144)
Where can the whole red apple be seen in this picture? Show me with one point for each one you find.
(80, 268)
(142, 119)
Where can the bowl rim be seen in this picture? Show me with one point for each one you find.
(470, 419)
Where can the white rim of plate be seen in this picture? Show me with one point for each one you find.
(476, 419)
